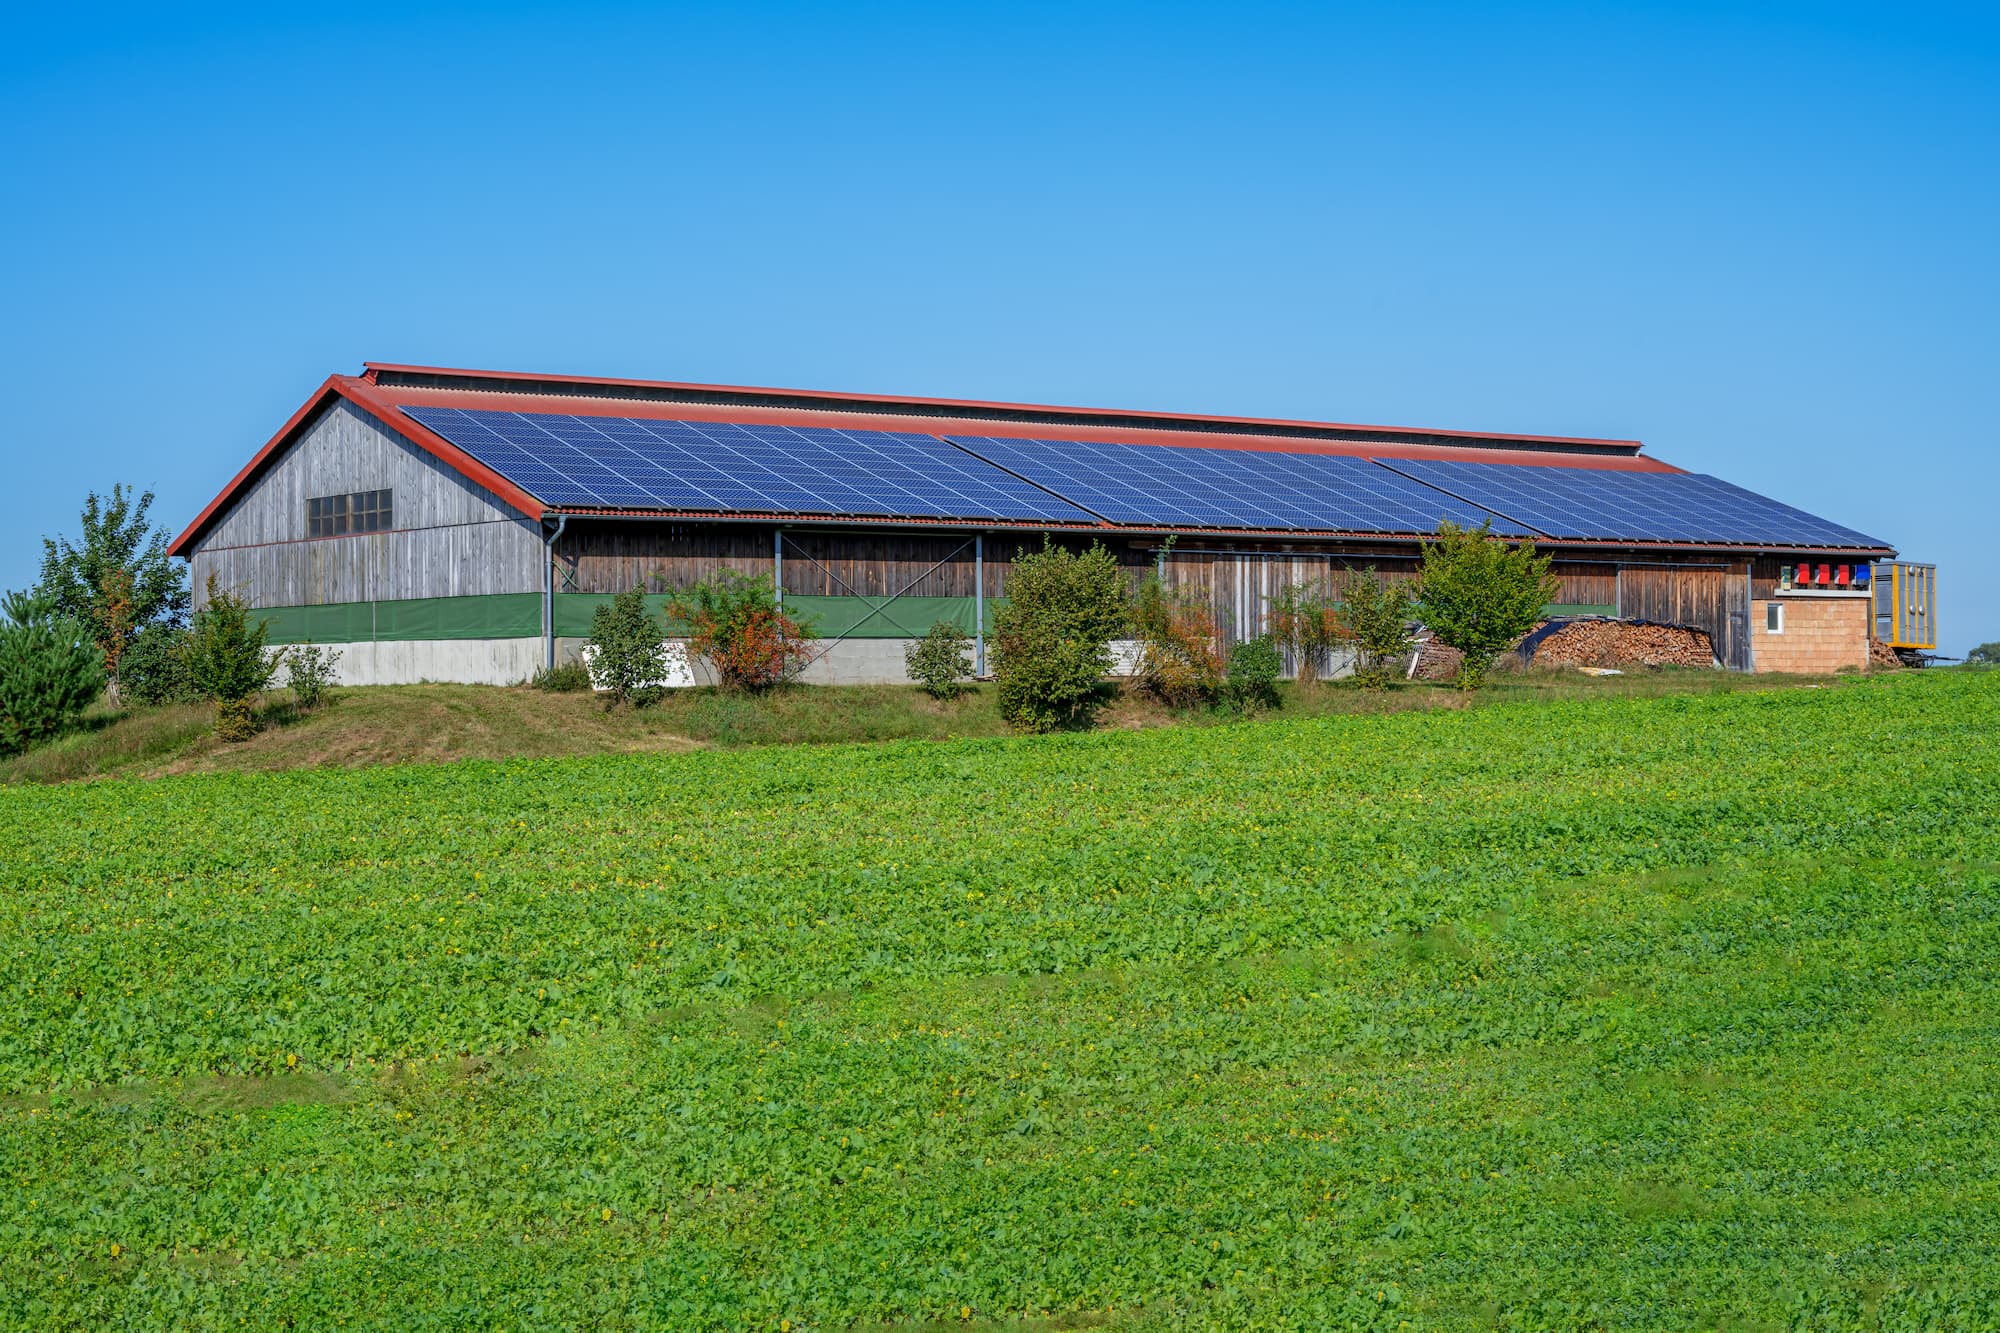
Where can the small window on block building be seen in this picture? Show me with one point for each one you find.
(1774, 618)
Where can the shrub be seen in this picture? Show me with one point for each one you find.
(1178, 660)
(227, 661)
(1478, 594)
(736, 625)
(309, 671)
(563, 678)
(154, 668)
(1378, 619)
(1254, 666)
(1052, 638)
(50, 669)
(940, 661)
(1305, 620)
(630, 655)
(1985, 655)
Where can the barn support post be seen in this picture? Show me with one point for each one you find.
(778, 565)
(979, 604)
(549, 593)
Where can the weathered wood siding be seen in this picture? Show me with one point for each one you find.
(1713, 597)
(451, 538)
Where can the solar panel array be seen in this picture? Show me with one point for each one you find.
(1186, 486)
(637, 463)
(712, 467)
(1612, 504)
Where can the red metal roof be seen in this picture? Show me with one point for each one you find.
(383, 390)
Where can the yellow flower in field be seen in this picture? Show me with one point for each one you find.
(965, 1312)
(607, 1214)
(292, 1061)
(117, 1250)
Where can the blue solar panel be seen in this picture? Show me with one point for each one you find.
(633, 463)
(1612, 504)
(1190, 486)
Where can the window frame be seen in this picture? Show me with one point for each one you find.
(350, 514)
(1774, 617)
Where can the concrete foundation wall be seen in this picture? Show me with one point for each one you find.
(409, 661)
(1821, 634)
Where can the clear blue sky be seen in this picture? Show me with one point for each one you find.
(1765, 238)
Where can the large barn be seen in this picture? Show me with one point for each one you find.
(463, 525)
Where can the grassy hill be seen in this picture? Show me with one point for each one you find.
(1612, 1012)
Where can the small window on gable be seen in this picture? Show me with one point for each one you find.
(359, 511)
(1774, 617)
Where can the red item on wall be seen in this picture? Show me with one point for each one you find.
(1824, 577)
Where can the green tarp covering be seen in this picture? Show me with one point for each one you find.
(512, 615)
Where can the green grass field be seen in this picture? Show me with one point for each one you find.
(1622, 1013)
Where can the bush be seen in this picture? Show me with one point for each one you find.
(1305, 620)
(1985, 655)
(630, 655)
(562, 678)
(940, 661)
(1378, 619)
(50, 670)
(227, 661)
(736, 625)
(310, 673)
(1052, 638)
(1178, 660)
(1254, 667)
(1479, 595)
(154, 668)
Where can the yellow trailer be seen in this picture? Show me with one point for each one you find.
(1906, 606)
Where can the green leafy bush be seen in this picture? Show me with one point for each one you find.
(309, 671)
(1254, 666)
(1377, 613)
(570, 677)
(116, 577)
(737, 626)
(50, 669)
(227, 661)
(1179, 663)
(630, 655)
(1479, 594)
(1052, 638)
(941, 661)
(154, 668)
(1986, 654)
(1306, 621)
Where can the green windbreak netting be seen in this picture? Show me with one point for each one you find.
(829, 617)
(1556, 609)
(513, 615)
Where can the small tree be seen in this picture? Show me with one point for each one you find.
(1985, 655)
(50, 670)
(736, 624)
(1478, 594)
(1378, 614)
(941, 661)
(630, 654)
(309, 671)
(154, 667)
(1052, 639)
(1305, 621)
(1254, 665)
(1178, 660)
(227, 661)
(117, 577)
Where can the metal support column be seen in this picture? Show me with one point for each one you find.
(979, 604)
(778, 565)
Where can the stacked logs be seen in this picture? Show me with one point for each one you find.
(1618, 643)
(1881, 657)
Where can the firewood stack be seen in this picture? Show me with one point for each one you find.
(1617, 643)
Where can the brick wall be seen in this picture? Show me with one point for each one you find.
(1821, 635)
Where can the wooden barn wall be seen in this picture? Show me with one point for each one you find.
(1715, 597)
(451, 538)
(609, 558)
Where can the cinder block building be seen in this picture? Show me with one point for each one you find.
(463, 525)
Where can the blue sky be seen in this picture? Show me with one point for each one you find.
(1760, 238)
